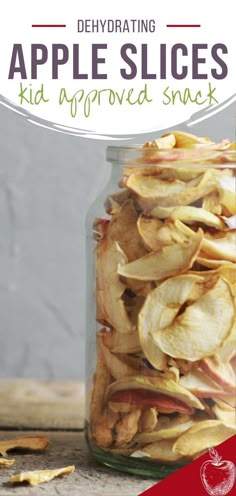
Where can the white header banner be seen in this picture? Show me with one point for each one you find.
(107, 69)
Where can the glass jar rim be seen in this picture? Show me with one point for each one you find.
(173, 157)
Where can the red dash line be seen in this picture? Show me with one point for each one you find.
(48, 25)
(183, 25)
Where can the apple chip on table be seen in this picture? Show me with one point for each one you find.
(164, 387)
(36, 477)
(5, 463)
(32, 443)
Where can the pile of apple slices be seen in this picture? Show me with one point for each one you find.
(164, 385)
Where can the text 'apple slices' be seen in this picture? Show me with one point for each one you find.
(109, 287)
(203, 435)
(160, 392)
(202, 327)
(167, 262)
(151, 191)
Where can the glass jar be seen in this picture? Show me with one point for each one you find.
(161, 308)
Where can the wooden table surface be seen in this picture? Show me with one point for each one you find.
(56, 409)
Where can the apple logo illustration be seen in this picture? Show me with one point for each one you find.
(217, 475)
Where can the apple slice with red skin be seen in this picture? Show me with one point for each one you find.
(143, 398)
(217, 475)
(221, 373)
(200, 384)
(100, 226)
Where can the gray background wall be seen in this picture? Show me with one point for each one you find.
(47, 181)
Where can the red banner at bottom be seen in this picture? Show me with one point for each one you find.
(211, 474)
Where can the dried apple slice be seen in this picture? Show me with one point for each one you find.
(127, 428)
(223, 199)
(211, 203)
(171, 430)
(157, 235)
(225, 415)
(167, 262)
(188, 215)
(109, 287)
(148, 228)
(122, 343)
(224, 405)
(5, 463)
(228, 349)
(226, 271)
(100, 226)
(230, 221)
(163, 170)
(144, 399)
(101, 380)
(35, 443)
(161, 308)
(164, 143)
(200, 384)
(203, 259)
(114, 201)
(202, 328)
(123, 230)
(160, 392)
(187, 140)
(151, 191)
(203, 435)
(116, 366)
(148, 420)
(221, 373)
(133, 312)
(229, 400)
(161, 451)
(120, 407)
(36, 477)
(103, 428)
(140, 288)
(220, 246)
(227, 193)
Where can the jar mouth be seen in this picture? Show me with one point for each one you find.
(173, 157)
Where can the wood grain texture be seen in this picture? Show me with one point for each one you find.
(89, 478)
(46, 405)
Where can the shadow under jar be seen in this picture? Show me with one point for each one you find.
(161, 248)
